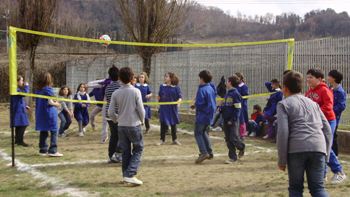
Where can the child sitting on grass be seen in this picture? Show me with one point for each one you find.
(256, 123)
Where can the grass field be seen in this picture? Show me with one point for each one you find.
(166, 170)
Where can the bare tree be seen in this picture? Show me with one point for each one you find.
(153, 21)
(34, 15)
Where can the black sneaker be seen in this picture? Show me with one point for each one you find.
(201, 158)
(23, 144)
(211, 156)
(241, 153)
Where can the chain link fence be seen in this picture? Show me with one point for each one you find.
(259, 64)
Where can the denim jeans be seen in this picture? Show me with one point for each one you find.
(232, 138)
(53, 142)
(202, 138)
(113, 146)
(253, 127)
(333, 163)
(313, 164)
(131, 158)
(65, 121)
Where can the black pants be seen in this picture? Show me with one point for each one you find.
(19, 133)
(113, 146)
(232, 138)
(164, 128)
(335, 141)
(147, 123)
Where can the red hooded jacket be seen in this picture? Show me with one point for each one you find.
(323, 96)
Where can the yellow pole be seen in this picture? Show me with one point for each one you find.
(13, 61)
(290, 54)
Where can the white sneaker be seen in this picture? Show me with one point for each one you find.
(84, 130)
(217, 129)
(160, 143)
(81, 134)
(132, 180)
(176, 142)
(265, 137)
(57, 154)
(230, 161)
(338, 178)
(252, 134)
(104, 140)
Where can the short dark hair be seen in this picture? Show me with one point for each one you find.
(316, 73)
(286, 71)
(113, 73)
(338, 76)
(293, 80)
(60, 93)
(126, 75)
(234, 80)
(205, 75)
(257, 108)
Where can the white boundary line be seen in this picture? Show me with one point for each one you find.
(58, 187)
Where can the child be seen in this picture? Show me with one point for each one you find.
(146, 93)
(303, 138)
(205, 108)
(231, 110)
(18, 111)
(168, 114)
(65, 112)
(256, 123)
(320, 93)
(243, 91)
(334, 78)
(98, 93)
(114, 151)
(81, 113)
(130, 116)
(46, 117)
(270, 108)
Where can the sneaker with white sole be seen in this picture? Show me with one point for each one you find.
(43, 154)
(338, 178)
(217, 129)
(57, 154)
(266, 137)
(84, 130)
(230, 161)
(81, 134)
(176, 142)
(160, 143)
(253, 134)
(132, 180)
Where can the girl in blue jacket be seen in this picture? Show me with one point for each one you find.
(243, 119)
(271, 106)
(46, 117)
(19, 115)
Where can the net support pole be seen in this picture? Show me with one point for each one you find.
(290, 54)
(13, 84)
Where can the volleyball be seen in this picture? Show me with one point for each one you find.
(105, 38)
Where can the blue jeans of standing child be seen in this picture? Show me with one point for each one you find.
(333, 160)
(53, 142)
(313, 164)
(202, 138)
(65, 121)
(131, 158)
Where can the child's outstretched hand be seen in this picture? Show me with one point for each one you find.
(282, 167)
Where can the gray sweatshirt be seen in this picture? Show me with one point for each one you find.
(128, 100)
(301, 127)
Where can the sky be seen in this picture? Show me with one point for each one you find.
(276, 7)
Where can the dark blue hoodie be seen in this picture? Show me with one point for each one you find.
(271, 106)
(232, 106)
(205, 104)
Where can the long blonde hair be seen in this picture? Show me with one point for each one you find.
(146, 77)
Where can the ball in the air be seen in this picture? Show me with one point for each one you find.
(105, 38)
